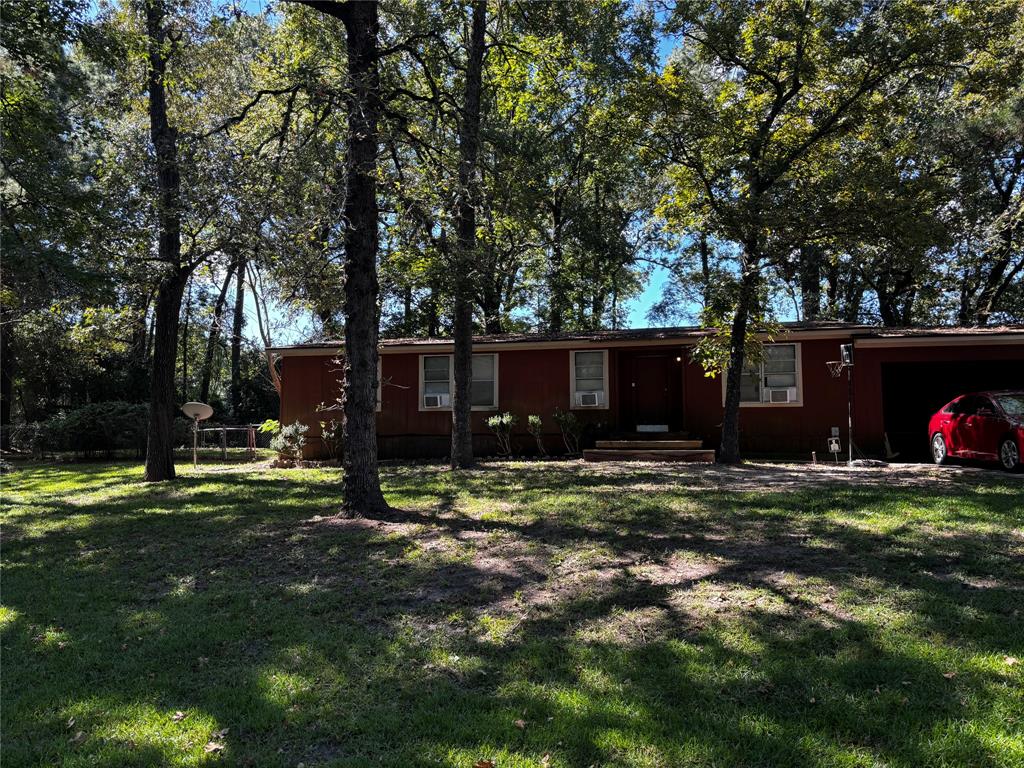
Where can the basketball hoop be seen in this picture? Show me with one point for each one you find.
(835, 367)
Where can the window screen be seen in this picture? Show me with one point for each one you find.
(589, 371)
(482, 389)
(437, 375)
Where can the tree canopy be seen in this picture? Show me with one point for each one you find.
(178, 179)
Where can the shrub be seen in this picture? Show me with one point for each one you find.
(290, 440)
(535, 426)
(501, 425)
(273, 426)
(330, 433)
(572, 429)
(32, 438)
(97, 428)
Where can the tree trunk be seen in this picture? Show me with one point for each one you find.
(1001, 274)
(6, 385)
(184, 343)
(810, 281)
(159, 442)
(556, 279)
(160, 439)
(462, 331)
(359, 391)
(407, 321)
(237, 325)
(214, 335)
(705, 269)
(432, 321)
(730, 448)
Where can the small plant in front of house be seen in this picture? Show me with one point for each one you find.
(535, 426)
(501, 425)
(572, 429)
(330, 433)
(289, 441)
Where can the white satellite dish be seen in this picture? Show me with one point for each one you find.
(197, 411)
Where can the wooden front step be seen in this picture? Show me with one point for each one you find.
(705, 455)
(647, 444)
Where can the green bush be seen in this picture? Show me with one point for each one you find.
(97, 428)
(572, 429)
(290, 440)
(501, 425)
(535, 426)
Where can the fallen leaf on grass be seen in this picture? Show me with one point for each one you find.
(78, 738)
(1010, 661)
(949, 675)
(71, 721)
(483, 764)
(520, 724)
(545, 759)
(179, 716)
(213, 746)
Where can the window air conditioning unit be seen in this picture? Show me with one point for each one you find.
(787, 395)
(436, 401)
(589, 399)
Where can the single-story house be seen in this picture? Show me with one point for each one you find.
(644, 381)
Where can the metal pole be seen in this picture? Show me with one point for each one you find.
(849, 412)
(195, 446)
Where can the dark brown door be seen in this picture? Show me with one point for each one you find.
(652, 390)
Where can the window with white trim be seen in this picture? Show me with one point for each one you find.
(484, 387)
(437, 382)
(775, 380)
(589, 374)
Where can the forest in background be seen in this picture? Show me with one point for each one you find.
(178, 179)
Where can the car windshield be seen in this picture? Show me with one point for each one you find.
(1012, 404)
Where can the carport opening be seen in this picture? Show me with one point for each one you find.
(912, 392)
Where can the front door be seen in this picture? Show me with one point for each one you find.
(652, 392)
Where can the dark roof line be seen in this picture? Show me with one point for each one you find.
(857, 330)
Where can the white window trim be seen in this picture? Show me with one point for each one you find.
(451, 383)
(572, 381)
(799, 383)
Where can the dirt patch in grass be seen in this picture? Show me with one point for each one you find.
(627, 615)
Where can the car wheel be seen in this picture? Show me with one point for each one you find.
(1009, 454)
(940, 455)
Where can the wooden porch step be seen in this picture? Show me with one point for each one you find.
(650, 436)
(645, 444)
(705, 455)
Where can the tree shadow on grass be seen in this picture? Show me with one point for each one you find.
(422, 637)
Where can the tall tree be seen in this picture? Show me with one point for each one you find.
(359, 395)
(237, 326)
(753, 95)
(159, 446)
(466, 246)
(213, 335)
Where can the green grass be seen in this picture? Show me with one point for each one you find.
(646, 617)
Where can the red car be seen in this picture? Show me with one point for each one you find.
(982, 425)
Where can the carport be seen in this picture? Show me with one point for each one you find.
(902, 378)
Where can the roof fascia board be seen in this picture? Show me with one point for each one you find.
(971, 340)
(441, 347)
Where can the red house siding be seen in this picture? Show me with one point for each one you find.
(536, 380)
(776, 429)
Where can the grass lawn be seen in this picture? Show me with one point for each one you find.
(530, 614)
